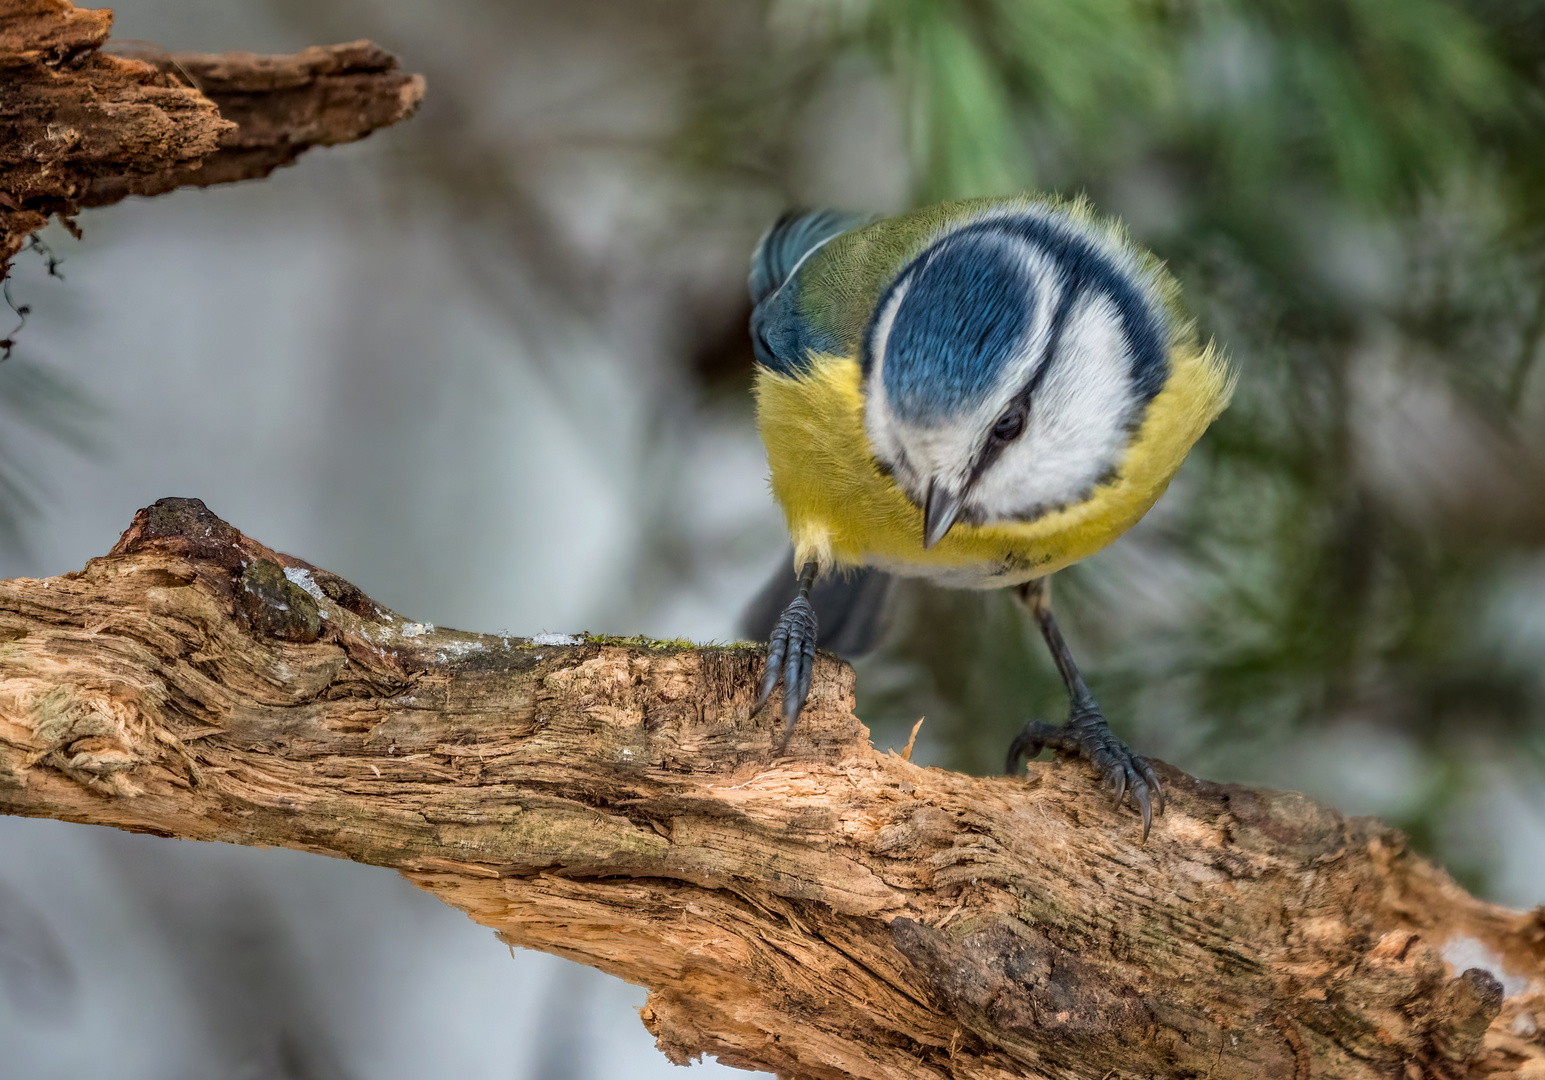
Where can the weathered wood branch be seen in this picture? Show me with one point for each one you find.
(835, 912)
(80, 127)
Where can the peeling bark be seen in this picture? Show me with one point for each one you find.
(835, 912)
(81, 128)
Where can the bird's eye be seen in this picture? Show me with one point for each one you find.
(1009, 426)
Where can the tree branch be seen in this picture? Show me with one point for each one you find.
(79, 127)
(838, 912)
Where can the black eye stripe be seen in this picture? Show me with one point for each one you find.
(1010, 425)
(1020, 407)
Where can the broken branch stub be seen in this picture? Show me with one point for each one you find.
(834, 912)
(80, 127)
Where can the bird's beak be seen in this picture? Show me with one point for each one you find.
(940, 510)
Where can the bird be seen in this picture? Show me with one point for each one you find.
(977, 393)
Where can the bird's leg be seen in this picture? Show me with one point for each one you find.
(1086, 731)
(791, 655)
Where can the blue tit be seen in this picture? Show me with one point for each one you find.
(977, 393)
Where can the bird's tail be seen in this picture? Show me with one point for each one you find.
(849, 608)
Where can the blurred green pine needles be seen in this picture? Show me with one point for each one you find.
(1353, 193)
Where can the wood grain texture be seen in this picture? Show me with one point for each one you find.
(834, 912)
(80, 127)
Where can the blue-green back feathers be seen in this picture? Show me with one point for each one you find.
(781, 337)
(791, 238)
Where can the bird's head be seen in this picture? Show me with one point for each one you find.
(1008, 366)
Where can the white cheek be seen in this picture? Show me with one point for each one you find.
(1078, 420)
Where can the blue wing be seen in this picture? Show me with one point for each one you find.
(779, 336)
(791, 238)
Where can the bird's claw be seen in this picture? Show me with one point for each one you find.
(791, 660)
(1086, 734)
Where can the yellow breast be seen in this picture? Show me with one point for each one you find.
(841, 509)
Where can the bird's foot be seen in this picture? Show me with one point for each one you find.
(791, 660)
(1086, 734)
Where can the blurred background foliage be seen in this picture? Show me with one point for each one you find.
(492, 366)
